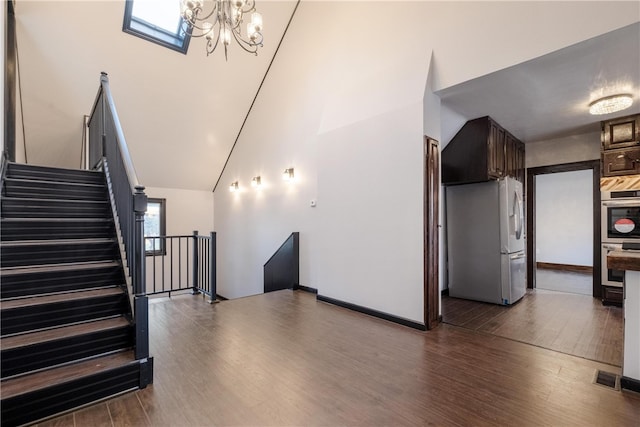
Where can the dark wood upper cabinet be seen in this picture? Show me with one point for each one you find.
(623, 161)
(621, 146)
(621, 132)
(482, 150)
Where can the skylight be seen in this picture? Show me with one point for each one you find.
(157, 21)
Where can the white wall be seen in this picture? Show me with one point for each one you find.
(574, 148)
(349, 115)
(186, 211)
(474, 38)
(370, 213)
(564, 218)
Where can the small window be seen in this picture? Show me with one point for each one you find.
(155, 225)
(157, 21)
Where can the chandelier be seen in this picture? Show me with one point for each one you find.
(223, 23)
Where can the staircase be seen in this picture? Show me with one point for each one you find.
(67, 335)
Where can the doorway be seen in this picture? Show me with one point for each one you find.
(532, 173)
(564, 238)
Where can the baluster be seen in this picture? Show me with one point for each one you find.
(212, 267)
(194, 289)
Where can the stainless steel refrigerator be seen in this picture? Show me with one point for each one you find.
(485, 241)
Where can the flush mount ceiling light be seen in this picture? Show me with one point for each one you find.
(234, 186)
(611, 104)
(287, 175)
(256, 182)
(223, 22)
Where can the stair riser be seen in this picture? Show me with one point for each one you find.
(23, 319)
(52, 400)
(13, 231)
(49, 174)
(39, 192)
(15, 208)
(24, 359)
(21, 256)
(29, 284)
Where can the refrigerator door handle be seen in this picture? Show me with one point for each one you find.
(516, 213)
(518, 255)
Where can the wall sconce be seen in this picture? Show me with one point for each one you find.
(256, 182)
(234, 186)
(287, 175)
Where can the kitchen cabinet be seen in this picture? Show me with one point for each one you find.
(481, 151)
(520, 162)
(496, 151)
(612, 295)
(621, 146)
(621, 132)
(622, 161)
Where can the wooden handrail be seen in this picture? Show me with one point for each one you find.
(124, 150)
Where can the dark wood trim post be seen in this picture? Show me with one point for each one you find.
(431, 208)
(141, 303)
(597, 224)
(531, 228)
(10, 83)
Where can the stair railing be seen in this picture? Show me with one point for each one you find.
(108, 150)
(182, 263)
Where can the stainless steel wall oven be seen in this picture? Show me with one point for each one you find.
(620, 216)
(620, 228)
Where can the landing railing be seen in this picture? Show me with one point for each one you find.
(108, 150)
(181, 263)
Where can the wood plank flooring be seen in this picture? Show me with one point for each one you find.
(283, 358)
(570, 323)
(564, 281)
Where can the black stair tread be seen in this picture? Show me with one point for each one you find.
(53, 334)
(28, 383)
(67, 296)
(48, 182)
(47, 200)
(56, 219)
(17, 167)
(73, 241)
(58, 267)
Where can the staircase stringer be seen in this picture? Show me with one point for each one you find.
(121, 246)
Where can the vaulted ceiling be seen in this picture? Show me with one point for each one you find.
(181, 114)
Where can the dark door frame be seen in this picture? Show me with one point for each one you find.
(431, 232)
(594, 165)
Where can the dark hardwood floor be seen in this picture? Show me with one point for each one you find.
(570, 323)
(283, 358)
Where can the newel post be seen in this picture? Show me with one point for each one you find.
(194, 288)
(141, 303)
(104, 80)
